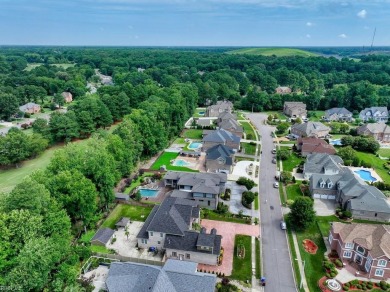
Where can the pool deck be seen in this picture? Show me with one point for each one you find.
(371, 170)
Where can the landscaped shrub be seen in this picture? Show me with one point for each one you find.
(384, 286)
(359, 286)
(370, 285)
(338, 263)
(347, 214)
(345, 288)
(248, 183)
(327, 275)
(247, 199)
(290, 202)
(347, 284)
(113, 240)
(222, 208)
(333, 274)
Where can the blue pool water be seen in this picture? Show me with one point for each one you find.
(180, 162)
(336, 142)
(201, 113)
(194, 145)
(148, 193)
(365, 175)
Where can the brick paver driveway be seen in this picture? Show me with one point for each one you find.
(228, 231)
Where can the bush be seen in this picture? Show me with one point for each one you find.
(345, 288)
(247, 199)
(283, 154)
(359, 286)
(138, 196)
(338, 263)
(384, 285)
(222, 208)
(248, 183)
(333, 274)
(347, 214)
(290, 202)
(370, 285)
(113, 240)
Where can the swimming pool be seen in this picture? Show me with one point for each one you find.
(194, 145)
(336, 142)
(365, 175)
(201, 113)
(148, 193)
(180, 162)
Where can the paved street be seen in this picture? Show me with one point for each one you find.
(276, 258)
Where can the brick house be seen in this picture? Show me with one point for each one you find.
(67, 96)
(310, 145)
(363, 246)
(295, 109)
(30, 108)
(283, 90)
(380, 131)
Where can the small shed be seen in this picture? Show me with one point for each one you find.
(102, 236)
(121, 196)
(122, 222)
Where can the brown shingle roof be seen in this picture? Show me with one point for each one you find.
(316, 145)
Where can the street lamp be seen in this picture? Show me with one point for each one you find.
(303, 261)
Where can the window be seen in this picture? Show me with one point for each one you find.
(347, 254)
(322, 185)
(161, 234)
(174, 254)
(158, 242)
(368, 263)
(349, 245)
(382, 263)
(208, 203)
(379, 272)
(330, 185)
(187, 256)
(360, 249)
(144, 241)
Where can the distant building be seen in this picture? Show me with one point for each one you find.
(310, 129)
(220, 107)
(295, 109)
(379, 131)
(338, 114)
(310, 145)
(283, 90)
(377, 114)
(67, 96)
(30, 108)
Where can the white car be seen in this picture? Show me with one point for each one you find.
(276, 184)
(283, 225)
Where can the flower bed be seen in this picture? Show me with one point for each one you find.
(310, 246)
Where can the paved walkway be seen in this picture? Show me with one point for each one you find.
(300, 264)
(228, 231)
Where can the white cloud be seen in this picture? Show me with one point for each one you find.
(309, 23)
(343, 36)
(362, 14)
(308, 36)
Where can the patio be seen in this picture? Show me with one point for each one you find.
(241, 169)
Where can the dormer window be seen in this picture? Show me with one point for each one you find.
(360, 249)
(322, 185)
(349, 245)
(330, 185)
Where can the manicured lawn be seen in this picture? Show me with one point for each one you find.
(293, 257)
(376, 163)
(11, 177)
(100, 249)
(179, 141)
(242, 267)
(248, 148)
(199, 109)
(316, 116)
(258, 259)
(281, 115)
(257, 203)
(313, 268)
(165, 159)
(193, 134)
(292, 162)
(86, 237)
(237, 158)
(211, 215)
(248, 130)
(281, 194)
(136, 213)
(287, 142)
(240, 116)
(384, 152)
(293, 191)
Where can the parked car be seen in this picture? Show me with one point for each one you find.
(276, 184)
(274, 160)
(283, 225)
(274, 151)
(277, 175)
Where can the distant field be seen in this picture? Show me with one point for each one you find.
(279, 52)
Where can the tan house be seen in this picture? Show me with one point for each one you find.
(380, 131)
(310, 129)
(310, 145)
(221, 106)
(219, 158)
(283, 90)
(295, 109)
(67, 96)
(30, 108)
(365, 247)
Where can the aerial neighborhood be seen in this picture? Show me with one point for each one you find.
(193, 170)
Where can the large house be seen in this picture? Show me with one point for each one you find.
(169, 227)
(226, 116)
(30, 108)
(232, 126)
(67, 96)
(219, 158)
(322, 163)
(283, 90)
(216, 109)
(377, 114)
(310, 129)
(310, 145)
(365, 246)
(220, 136)
(202, 188)
(295, 109)
(338, 114)
(380, 131)
(173, 276)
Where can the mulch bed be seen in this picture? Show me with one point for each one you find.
(310, 246)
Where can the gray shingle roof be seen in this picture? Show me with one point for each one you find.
(374, 128)
(371, 199)
(230, 124)
(218, 151)
(192, 178)
(317, 162)
(227, 115)
(310, 128)
(122, 222)
(103, 235)
(373, 110)
(175, 276)
(28, 106)
(221, 136)
(338, 111)
(143, 233)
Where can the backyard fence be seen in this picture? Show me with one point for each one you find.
(130, 259)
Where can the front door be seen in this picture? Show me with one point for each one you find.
(181, 257)
(358, 259)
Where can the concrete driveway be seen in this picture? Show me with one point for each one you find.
(235, 205)
(324, 207)
(228, 231)
(276, 256)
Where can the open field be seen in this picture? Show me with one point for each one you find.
(193, 134)
(279, 52)
(136, 213)
(242, 267)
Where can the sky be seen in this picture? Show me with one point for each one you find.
(195, 22)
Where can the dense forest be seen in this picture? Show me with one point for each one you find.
(154, 92)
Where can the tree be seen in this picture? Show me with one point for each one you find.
(348, 154)
(8, 106)
(138, 196)
(302, 213)
(248, 183)
(247, 199)
(282, 127)
(298, 120)
(41, 126)
(64, 127)
(286, 177)
(283, 154)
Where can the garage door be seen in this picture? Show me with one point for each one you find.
(317, 196)
(331, 197)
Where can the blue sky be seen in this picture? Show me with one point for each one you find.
(194, 22)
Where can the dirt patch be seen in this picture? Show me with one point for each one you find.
(310, 246)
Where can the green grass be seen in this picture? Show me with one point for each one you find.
(258, 259)
(282, 197)
(240, 116)
(11, 177)
(199, 109)
(31, 66)
(293, 257)
(179, 141)
(193, 134)
(242, 267)
(137, 182)
(292, 162)
(248, 130)
(237, 158)
(250, 149)
(317, 116)
(279, 52)
(165, 159)
(293, 191)
(136, 213)
(86, 237)
(100, 249)
(376, 163)
(281, 115)
(287, 142)
(211, 215)
(257, 203)
(384, 152)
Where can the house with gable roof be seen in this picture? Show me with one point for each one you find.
(377, 113)
(310, 129)
(216, 109)
(310, 145)
(173, 276)
(295, 109)
(219, 158)
(30, 108)
(283, 90)
(365, 247)
(232, 126)
(379, 131)
(226, 116)
(220, 136)
(321, 163)
(338, 114)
